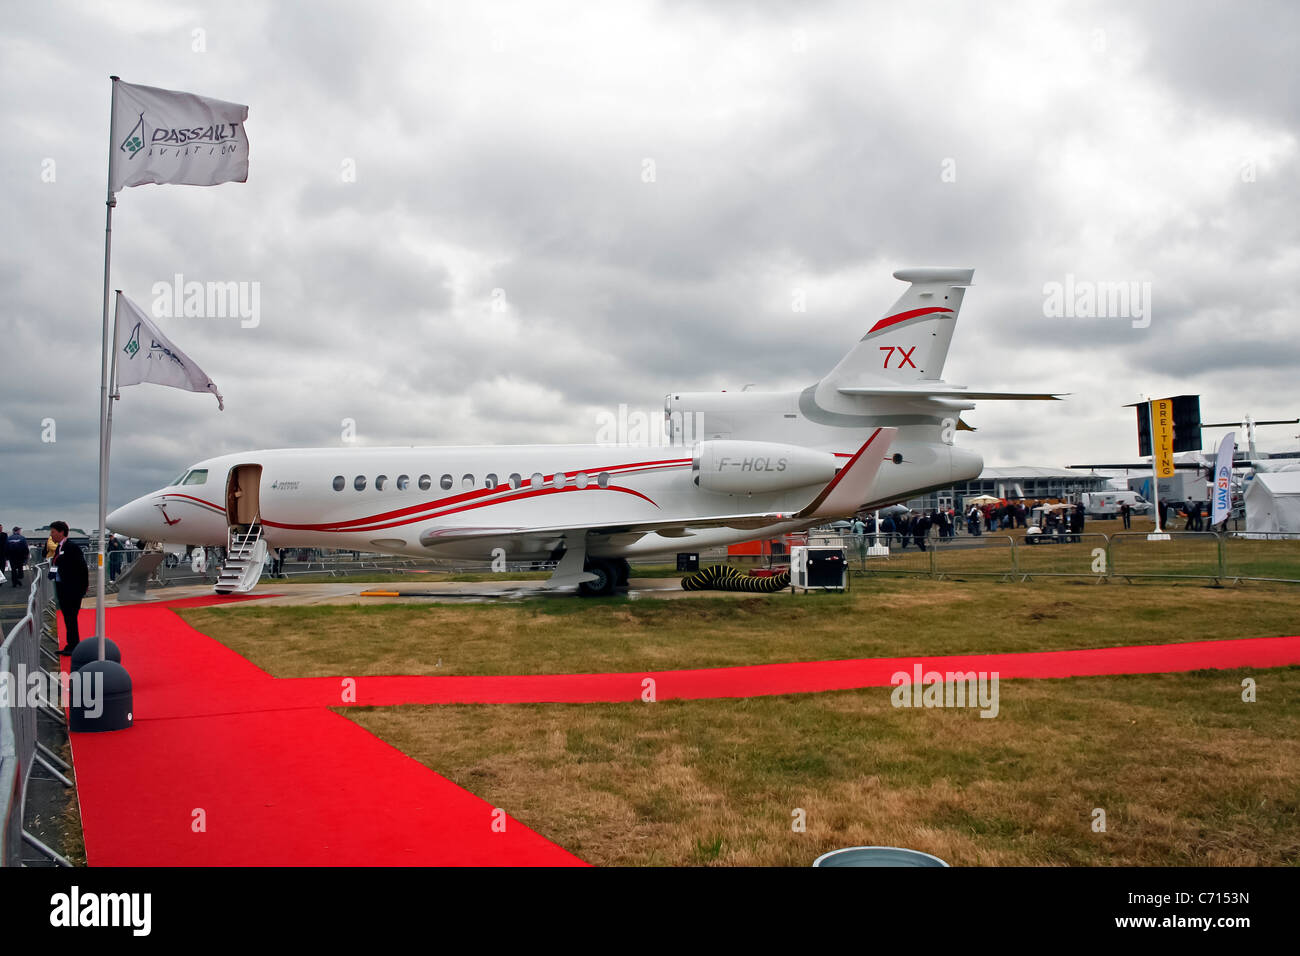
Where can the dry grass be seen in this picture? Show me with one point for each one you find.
(1186, 772)
(888, 617)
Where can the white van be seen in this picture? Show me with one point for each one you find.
(1106, 504)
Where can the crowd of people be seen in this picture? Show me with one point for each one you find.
(68, 571)
(913, 528)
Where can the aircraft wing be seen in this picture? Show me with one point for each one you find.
(947, 391)
(546, 537)
(842, 495)
(1140, 466)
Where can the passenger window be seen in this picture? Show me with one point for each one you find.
(425, 482)
(359, 483)
(403, 482)
(380, 482)
(467, 481)
(558, 479)
(445, 482)
(516, 480)
(490, 481)
(339, 482)
(603, 479)
(537, 480)
(580, 480)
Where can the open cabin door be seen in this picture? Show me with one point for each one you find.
(242, 488)
(246, 553)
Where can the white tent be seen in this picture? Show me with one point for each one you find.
(1273, 502)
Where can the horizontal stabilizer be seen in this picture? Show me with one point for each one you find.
(948, 391)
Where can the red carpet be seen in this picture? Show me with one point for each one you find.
(282, 780)
(767, 679)
(302, 787)
(203, 600)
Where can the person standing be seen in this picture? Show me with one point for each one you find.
(17, 552)
(4, 552)
(921, 529)
(1126, 513)
(71, 581)
(114, 557)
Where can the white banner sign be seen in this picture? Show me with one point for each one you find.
(163, 136)
(1222, 504)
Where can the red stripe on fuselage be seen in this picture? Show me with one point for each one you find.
(209, 504)
(517, 496)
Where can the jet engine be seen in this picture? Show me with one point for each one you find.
(756, 467)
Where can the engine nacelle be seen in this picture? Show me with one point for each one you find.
(758, 467)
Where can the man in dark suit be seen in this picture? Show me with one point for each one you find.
(71, 580)
(18, 552)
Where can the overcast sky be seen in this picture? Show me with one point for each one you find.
(453, 238)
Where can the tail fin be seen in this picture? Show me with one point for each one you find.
(910, 343)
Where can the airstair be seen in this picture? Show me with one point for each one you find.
(245, 558)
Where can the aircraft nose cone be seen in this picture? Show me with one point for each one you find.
(127, 520)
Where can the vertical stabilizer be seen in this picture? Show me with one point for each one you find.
(909, 344)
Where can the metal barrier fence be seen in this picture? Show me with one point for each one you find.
(1221, 556)
(20, 751)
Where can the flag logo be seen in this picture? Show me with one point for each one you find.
(134, 141)
(133, 346)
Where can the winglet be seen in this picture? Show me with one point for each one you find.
(851, 487)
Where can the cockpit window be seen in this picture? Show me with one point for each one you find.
(198, 476)
(179, 479)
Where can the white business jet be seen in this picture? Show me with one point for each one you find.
(879, 428)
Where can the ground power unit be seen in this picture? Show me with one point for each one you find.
(818, 569)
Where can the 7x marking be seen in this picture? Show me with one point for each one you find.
(905, 355)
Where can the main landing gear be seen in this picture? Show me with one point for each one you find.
(611, 574)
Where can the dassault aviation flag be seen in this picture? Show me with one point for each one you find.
(1222, 503)
(146, 355)
(163, 136)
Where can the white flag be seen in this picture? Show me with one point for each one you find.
(146, 355)
(162, 136)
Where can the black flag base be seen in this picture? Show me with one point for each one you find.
(101, 698)
(88, 650)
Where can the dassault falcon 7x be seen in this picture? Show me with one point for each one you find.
(878, 428)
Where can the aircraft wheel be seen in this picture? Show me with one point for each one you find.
(605, 581)
(623, 571)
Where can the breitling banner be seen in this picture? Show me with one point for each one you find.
(143, 354)
(1162, 436)
(164, 136)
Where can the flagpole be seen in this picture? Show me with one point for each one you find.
(1155, 469)
(105, 419)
